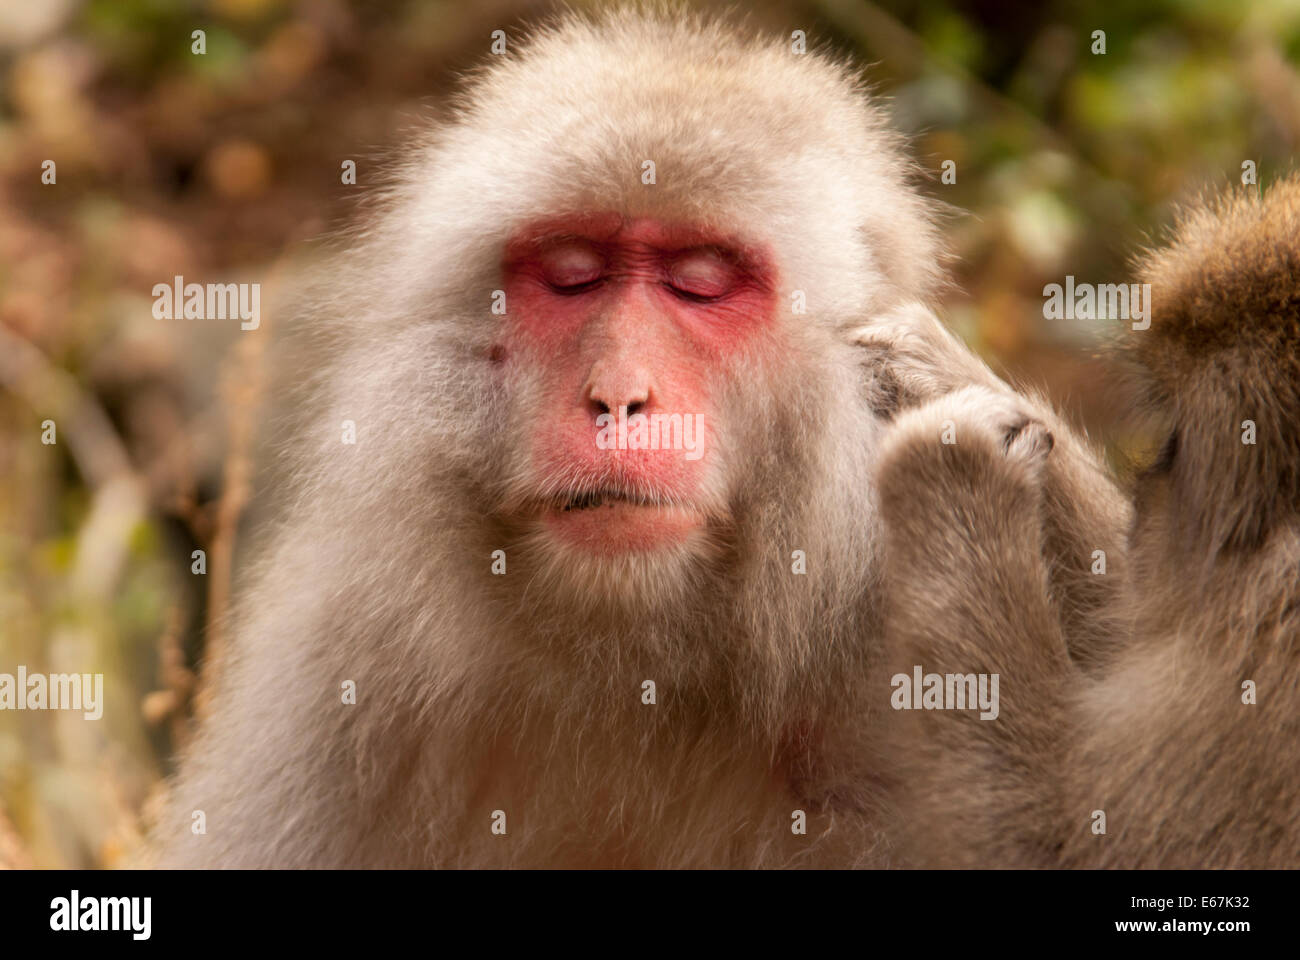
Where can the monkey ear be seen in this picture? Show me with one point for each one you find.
(909, 358)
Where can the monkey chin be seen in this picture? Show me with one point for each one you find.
(616, 558)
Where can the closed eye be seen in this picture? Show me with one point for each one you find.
(574, 288)
(701, 275)
(572, 267)
(689, 296)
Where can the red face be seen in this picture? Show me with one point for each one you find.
(626, 325)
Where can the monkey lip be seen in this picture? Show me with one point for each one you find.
(614, 521)
(588, 500)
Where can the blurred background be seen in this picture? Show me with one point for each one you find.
(226, 166)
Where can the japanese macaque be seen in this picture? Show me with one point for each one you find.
(1181, 750)
(598, 582)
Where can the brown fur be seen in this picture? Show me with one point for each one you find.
(1187, 774)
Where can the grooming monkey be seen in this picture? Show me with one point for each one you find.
(566, 654)
(1188, 740)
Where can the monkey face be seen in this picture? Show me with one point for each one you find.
(626, 330)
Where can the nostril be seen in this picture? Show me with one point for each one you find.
(612, 398)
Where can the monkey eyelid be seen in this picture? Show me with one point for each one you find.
(691, 297)
(575, 288)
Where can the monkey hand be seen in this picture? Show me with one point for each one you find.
(969, 443)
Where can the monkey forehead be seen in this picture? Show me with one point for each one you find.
(687, 121)
(642, 234)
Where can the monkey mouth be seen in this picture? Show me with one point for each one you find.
(611, 521)
(590, 499)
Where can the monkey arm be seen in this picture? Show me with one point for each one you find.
(967, 591)
(912, 359)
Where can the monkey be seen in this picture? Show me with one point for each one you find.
(496, 624)
(1179, 751)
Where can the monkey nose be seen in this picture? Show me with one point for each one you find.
(607, 398)
(598, 406)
